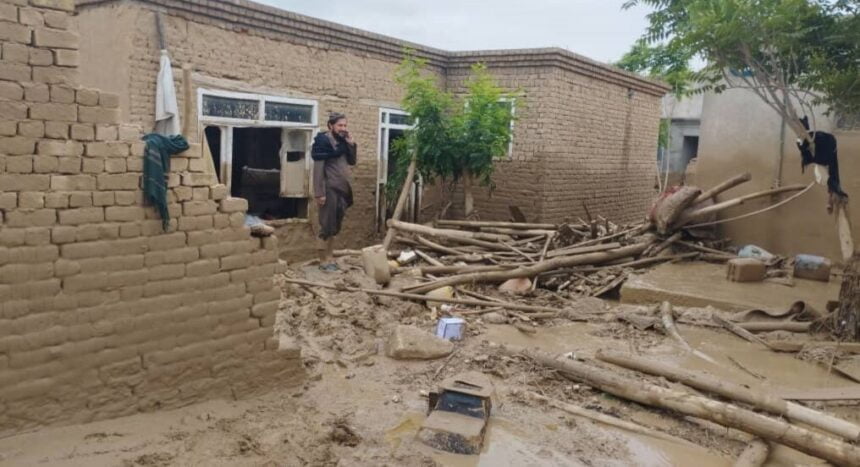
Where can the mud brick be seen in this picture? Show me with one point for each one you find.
(230, 205)
(60, 148)
(81, 200)
(63, 5)
(14, 32)
(31, 218)
(109, 100)
(31, 17)
(118, 181)
(124, 214)
(13, 110)
(56, 130)
(54, 112)
(198, 208)
(104, 198)
(18, 145)
(55, 39)
(8, 12)
(56, 20)
(40, 58)
(56, 200)
(92, 166)
(67, 58)
(107, 149)
(195, 223)
(98, 115)
(62, 95)
(46, 164)
(31, 200)
(32, 129)
(82, 216)
(73, 182)
(8, 200)
(219, 192)
(61, 235)
(25, 182)
(115, 165)
(11, 91)
(83, 132)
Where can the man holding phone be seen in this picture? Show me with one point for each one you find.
(333, 152)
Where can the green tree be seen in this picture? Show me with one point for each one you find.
(793, 54)
(455, 138)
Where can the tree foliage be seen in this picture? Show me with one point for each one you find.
(453, 136)
(793, 54)
(660, 62)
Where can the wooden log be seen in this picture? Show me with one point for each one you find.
(668, 320)
(572, 251)
(627, 264)
(729, 415)
(517, 232)
(690, 216)
(705, 249)
(755, 397)
(440, 248)
(537, 268)
(460, 236)
(401, 202)
(504, 225)
(606, 419)
(786, 346)
(543, 257)
(725, 186)
(421, 297)
(424, 270)
(739, 331)
(754, 455)
(655, 250)
(446, 233)
(433, 261)
(767, 326)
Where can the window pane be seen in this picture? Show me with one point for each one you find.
(285, 112)
(399, 119)
(215, 106)
(382, 117)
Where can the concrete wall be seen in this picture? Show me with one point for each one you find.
(739, 133)
(102, 313)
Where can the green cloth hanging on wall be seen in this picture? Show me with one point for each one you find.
(156, 166)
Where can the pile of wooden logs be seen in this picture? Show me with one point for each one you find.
(586, 257)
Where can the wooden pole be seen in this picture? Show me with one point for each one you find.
(689, 216)
(668, 320)
(725, 186)
(506, 225)
(801, 439)
(736, 392)
(401, 202)
(606, 419)
(754, 455)
(412, 296)
(572, 251)
(537, 268)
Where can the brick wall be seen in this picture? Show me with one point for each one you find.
(101, 313)
(580, 135)
(577, 139)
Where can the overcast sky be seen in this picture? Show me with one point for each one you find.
(598, 29)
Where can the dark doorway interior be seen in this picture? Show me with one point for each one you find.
(257, 174)
(213, 137)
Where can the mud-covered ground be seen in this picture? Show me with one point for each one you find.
(359, 407)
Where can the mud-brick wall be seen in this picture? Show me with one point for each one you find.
(577, 138)
(518, 178)
(224, 56)
(101, 313)
(602, 148)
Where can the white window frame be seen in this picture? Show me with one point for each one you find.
(383, 150)
(261, 116)
(228, 124)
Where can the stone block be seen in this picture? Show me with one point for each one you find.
(83, 132)
(14, 32)
(98, 115)
(62, 5)
(32, 129)
(54, 112)
(411, 343)
(55, 39)
(82, 216)
(11, 91)
(56, 130)
(73, 182)
(118, 182)
(62, 95)
(67, 58)
(46, 164)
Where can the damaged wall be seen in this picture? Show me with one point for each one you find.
(101, 313)
(587, 131)
(740, 133)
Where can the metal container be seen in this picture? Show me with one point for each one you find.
(451, 328)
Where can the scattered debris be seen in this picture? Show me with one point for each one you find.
(458, 414)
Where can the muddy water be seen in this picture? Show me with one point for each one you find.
(736, 360)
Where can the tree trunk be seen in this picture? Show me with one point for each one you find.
(468, 198)
(847, 326)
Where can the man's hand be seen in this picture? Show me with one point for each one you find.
(348, 138)
(321, 201)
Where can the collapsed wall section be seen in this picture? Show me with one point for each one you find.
(103, 314)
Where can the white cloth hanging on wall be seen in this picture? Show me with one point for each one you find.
(166, 108)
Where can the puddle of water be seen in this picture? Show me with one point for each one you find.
(504, 444)
(653, 452)
(556, 340)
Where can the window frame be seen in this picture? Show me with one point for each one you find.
(261, 99)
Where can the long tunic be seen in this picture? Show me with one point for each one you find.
(332, 179)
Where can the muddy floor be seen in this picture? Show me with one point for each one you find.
(361, 408)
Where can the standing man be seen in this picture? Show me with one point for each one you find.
(333, 152)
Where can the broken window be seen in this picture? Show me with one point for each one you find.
(259, 147)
